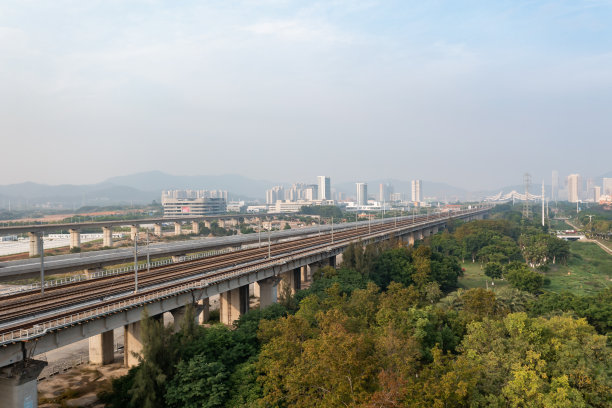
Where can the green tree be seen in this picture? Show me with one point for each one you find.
(523, 278)
(493, 270)
(156, 363)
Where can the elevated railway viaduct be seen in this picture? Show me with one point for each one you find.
(32, 323)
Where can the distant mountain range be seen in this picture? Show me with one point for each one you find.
(143, 188)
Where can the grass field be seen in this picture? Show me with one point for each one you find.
(588, 271)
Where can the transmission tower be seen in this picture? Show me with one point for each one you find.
(526, 208)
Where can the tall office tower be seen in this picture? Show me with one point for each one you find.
(362, 194)
(573, 188)
(416, 191)
(554, 194)
(607, 186)
(324, 188)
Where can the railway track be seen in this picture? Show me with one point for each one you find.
(22, 308)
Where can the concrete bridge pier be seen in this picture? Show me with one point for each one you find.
(411, 239)
(157, 230)
(290, 282)
(233, 304)
(339, 259)
(178, 315)
(132, 341)
(18, 384)
(107, 236)
(267, 291)
(177, 228)
(195, 227)
(131, 344)
(75, 238)
(305, 276)
(313, 268)
(134, 231)
(102, 348)
(332, 261)
(36, 243)
(202, 311)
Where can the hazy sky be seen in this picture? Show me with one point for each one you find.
(473, 93)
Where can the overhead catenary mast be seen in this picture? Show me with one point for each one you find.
(543, 203)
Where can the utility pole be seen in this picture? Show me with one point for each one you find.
(259, 231)
(148, 253)
(42, 262)
(332, 227)
(136, 263)
(543, 193)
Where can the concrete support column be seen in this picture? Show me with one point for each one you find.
(332, 261)
(107, 236)
(221, 223)
(134, 232)
(290, 282)
(195, 227)
(178, 315)
(411, 239)
(75, 238)
(233, 304)
(267, 291)
(102, 348)
(203, 311)
(339, 259)
(207, 224)
(18, 384)
(435, 229)
(131, 344)
(177, 228)
(36, 243)
(157, 230)
(304, 274)
(313, 269)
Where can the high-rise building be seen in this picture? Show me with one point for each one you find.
(573, 188)
(607, 186)
(384, 192)
(555, 186)
(596, 193)
(324, 188)
(274, 194)
(362, 194)
(416, 191)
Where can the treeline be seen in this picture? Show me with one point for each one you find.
(389, 329)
